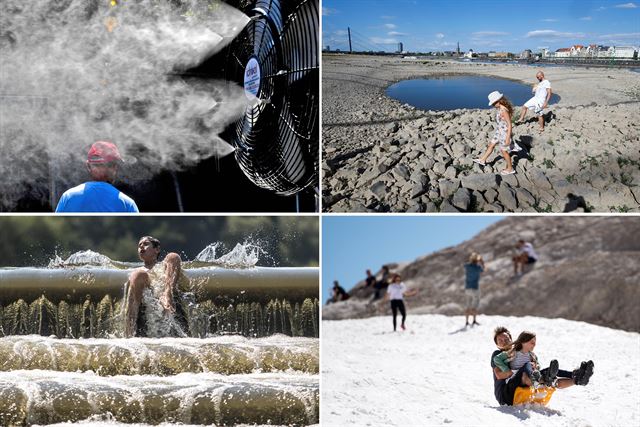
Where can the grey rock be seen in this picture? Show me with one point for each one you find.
(525, 198)
(479, 181)
(416, 207)
(439, 168)
(512, 180)
(418, 189)
(538, 178)
(461, 199)
(448, 207)
(430, 207)
(427, 162)
(392, 127)
(450, 172)
(418, 176)
(448, 187)
(441, 155)
(379, 189)
(402, 171)
(478, 200)
(494, 207)
(491, 195)
(507, 197)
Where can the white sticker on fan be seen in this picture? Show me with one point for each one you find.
(252, 78)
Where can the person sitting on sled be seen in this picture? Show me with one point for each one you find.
(506, 381)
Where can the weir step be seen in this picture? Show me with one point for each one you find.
(45, 397)
(160, 357)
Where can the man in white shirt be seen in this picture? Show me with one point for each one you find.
(526, 256)
(540, 100)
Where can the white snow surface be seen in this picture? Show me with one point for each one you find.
(438, 373)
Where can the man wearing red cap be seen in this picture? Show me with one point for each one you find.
(98, 195)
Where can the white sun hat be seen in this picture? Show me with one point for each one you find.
(494, 96)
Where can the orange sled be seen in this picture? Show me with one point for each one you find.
(540, 395)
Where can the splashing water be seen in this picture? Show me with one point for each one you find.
(243, 255)
(75, 71)
(82, 258)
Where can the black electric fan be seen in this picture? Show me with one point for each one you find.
(275, 59)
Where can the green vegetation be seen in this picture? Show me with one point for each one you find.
(626, 179)
(33, 241)
(463, 168)
(571, 179)
(625, 161)
(550, 142)
(547, 209)
(548, 163)
(590, 161)
(621, 209)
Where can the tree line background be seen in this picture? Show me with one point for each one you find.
(33, 241)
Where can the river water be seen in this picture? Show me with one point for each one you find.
(453, 92)
(249, 356)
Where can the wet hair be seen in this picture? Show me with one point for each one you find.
(385, 268)
(335, 284)
(154, 242)
(506, 104)
(524, 336)
(500, 330)
(396, 276)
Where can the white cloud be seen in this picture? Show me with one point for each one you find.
(327, 12)
(440, 35)
(381, 40)
(549, 20)
(390, 26)
(626, 6)
(600, 9)
(396, 34)
(481, 34)
(586, 18)
(388, 17)
(551, 34)
(621, 36)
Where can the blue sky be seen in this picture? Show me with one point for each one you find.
(481, 25)
(351, 244)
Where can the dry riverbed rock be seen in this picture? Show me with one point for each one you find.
(400, 159)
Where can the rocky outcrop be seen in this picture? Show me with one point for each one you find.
(588, 270)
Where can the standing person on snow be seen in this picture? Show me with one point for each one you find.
(472, 269)
(396, 293)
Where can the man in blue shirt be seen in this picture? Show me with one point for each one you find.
(98, 195)
(473, 269)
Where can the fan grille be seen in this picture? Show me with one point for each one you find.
(277, 139)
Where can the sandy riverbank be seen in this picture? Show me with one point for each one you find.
(380, 155)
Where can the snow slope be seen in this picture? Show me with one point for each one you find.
(436, 373)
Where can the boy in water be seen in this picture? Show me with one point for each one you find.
(158, 279)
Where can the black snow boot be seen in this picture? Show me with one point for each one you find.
(549, 375)
(582, 375)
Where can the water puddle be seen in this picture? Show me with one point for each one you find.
(453, 92)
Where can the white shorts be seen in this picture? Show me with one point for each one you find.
(535, 105)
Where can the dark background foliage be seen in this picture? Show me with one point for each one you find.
(33, 241)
